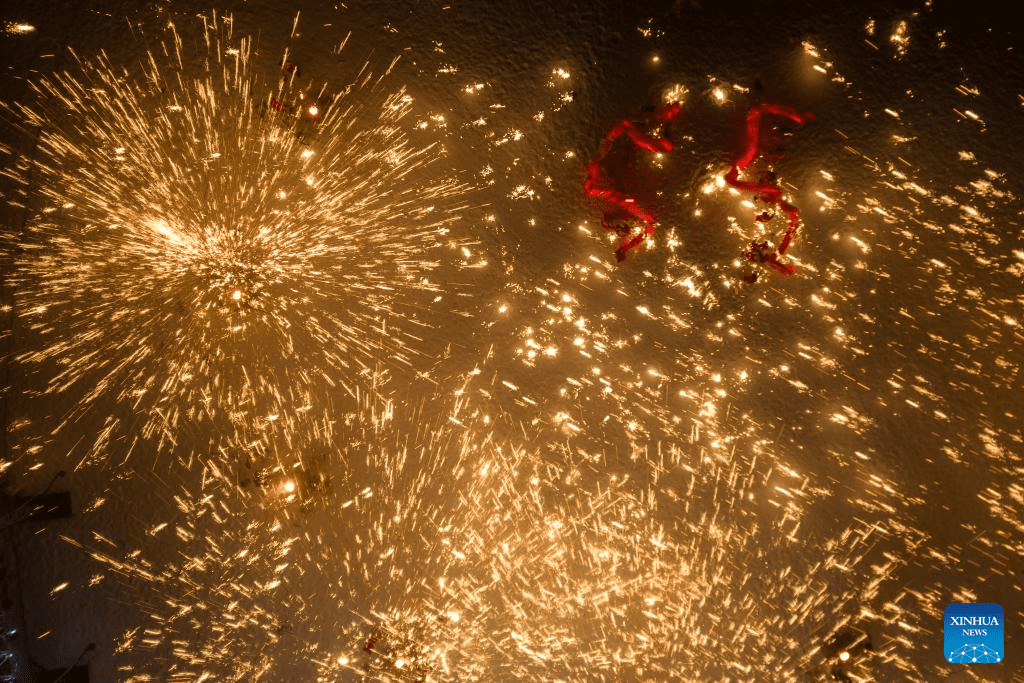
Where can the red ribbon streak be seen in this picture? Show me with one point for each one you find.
(768, 191)
(593, 186)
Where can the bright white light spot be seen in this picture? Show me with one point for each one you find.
(236, 295)
(675, 93)
(165, 230)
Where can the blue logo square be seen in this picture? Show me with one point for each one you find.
(973, 632)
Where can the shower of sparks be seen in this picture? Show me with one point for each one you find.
(216, 245)
(651, 474)
(520, 562)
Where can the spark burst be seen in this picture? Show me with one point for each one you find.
(213, 247)
(442, 541)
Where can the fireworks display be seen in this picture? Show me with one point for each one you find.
(350, 386)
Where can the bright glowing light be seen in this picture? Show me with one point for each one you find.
(675, 93)
(330, 276)
(14, 28)
(844, 656)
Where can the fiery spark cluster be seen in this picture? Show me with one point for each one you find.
(216, 245)
(416, 544)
